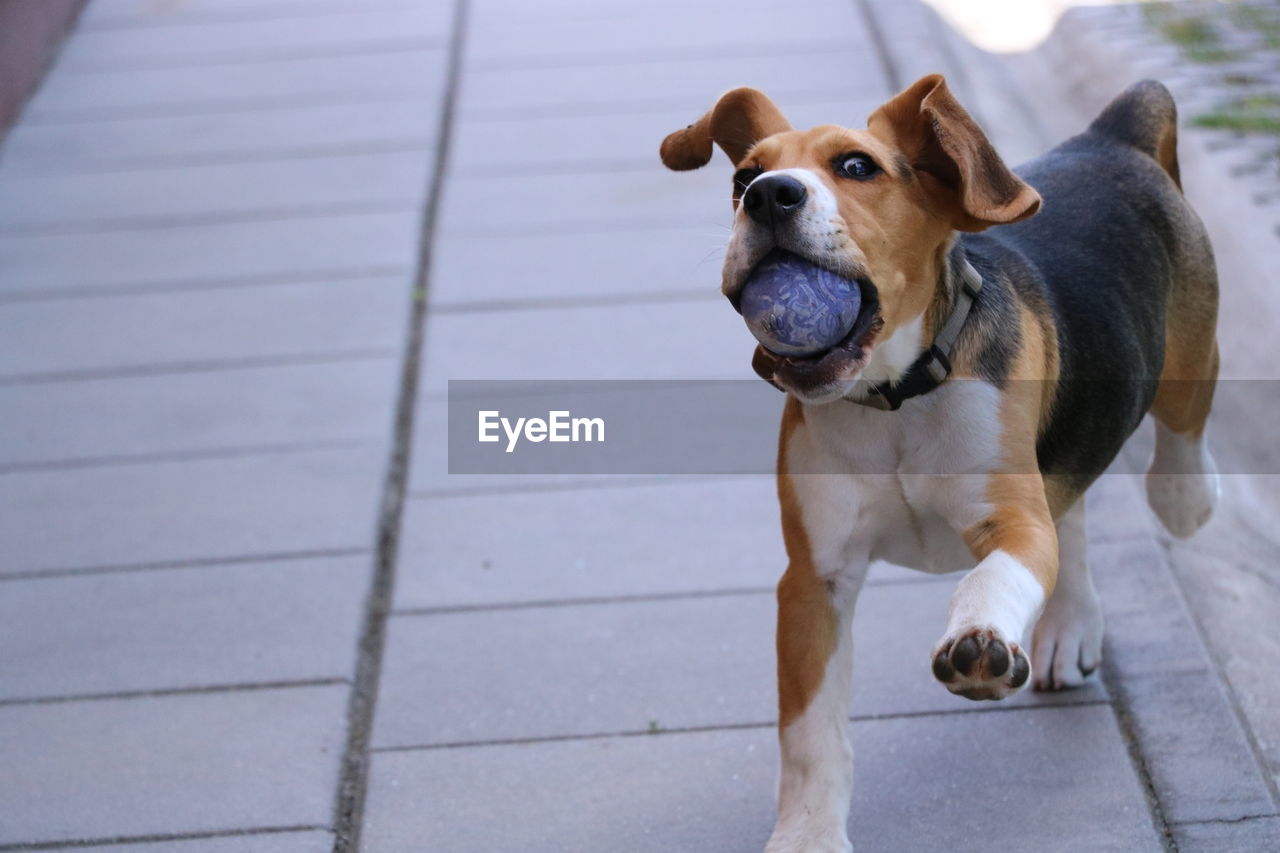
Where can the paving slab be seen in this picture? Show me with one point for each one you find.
(342, 32)
(315, 841)
(200, 509)
(566, 38)
(104, 14)
(714, 791)
(1200, 763)
(1148, 627)
(264, 134)
(173, 195)
(1116, 509)
(615, 540)
(67, 96)
(115, 768)
(1261, 833)
(630, 342)
(305, 249)
(495, 204)
(166, 629)
(621, 666)
(527, 144)
(356, 318)
(1232, 597)
(192, 413)
(644, 14)
(581, 266)
(691, 82)
(638, 538)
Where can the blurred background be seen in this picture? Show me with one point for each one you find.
(245, 245)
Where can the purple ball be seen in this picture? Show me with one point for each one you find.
(796, 308)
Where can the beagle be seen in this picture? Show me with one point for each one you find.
(990, 377)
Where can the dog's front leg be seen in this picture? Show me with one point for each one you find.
(815, 662)
(982, 654)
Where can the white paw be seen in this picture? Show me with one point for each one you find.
(979, 663)
(1183, 502)
(808, 840)
(1067, 645)
(1182, 482)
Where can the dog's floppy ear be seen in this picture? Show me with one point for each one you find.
(959, 168)
(740, 119)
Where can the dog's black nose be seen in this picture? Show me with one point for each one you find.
(773, 198)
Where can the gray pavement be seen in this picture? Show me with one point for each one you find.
(243, 606)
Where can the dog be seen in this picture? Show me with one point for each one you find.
(990, 377)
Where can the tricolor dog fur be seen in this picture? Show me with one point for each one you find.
(1097, 304)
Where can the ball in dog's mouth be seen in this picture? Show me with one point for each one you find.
(796, 308)
(829, 341)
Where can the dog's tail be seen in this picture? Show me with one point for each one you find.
(1144, 117)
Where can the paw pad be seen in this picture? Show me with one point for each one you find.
(979, 664)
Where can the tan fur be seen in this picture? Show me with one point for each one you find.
(807, 621)
(1022, 521)
(740, 119)
(1190, 372)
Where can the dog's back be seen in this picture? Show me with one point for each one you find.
(1126, 268)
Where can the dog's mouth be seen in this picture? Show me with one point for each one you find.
(827, 374)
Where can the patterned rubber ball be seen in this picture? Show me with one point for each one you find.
(794, 307)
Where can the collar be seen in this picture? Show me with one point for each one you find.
(933, 366)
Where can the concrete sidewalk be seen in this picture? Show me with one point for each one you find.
(243, 606)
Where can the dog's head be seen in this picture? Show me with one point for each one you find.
(878, 206)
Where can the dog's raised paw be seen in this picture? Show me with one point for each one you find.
(978, 663)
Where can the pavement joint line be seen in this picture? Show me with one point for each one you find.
(604, 301)
(160, 838)
(799, 47)
(125, 21)
(168, 222)
(1128, 726)
(642, 598)
(793, 97)
(373, 47)
(52, 167)
(353, 780)
(977, 708)
(601, 482)
(188, 455)
(203, 366)
(607, 109)
(611, 109)
(230, 687)
(56, 116)
(1217, 673)
(196, 563)
(1226, 820)
(585, 227)
(888, 65)
(516, 168)
(319, 278)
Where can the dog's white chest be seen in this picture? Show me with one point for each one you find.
(899, 486)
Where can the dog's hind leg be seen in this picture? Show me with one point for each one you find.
(1182, 481)
(1067, 646)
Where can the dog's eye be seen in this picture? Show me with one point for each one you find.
(860, 167)
(743, 177)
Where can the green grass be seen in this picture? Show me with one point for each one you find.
(1255, 114)
(1195, 34)
(1260, 19)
